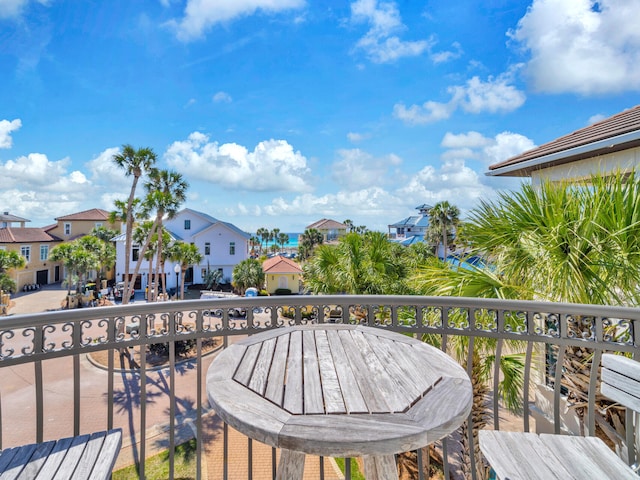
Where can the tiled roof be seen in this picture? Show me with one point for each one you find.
(96, 214)
(24, 235)
(279, 264)
(610, 128)
(326, 224)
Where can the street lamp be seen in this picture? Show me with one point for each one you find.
(176, 269)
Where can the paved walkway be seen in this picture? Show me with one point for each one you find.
(18, 409)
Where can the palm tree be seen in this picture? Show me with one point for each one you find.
(307, 242)
(135, 163)
(443, 218)
(349, 224)
(9, 260)
(166, 191)
(263, 233)
(186, 254)
(283, 239)
(248, 273)
(104, 251)
(77, 259)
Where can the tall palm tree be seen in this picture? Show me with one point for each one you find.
(263, 234)
(443, 218)
(283, 239)
(308, 241)
(134, 163)
(166, 191)
(187, 255)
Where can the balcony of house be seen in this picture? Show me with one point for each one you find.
(147, 369)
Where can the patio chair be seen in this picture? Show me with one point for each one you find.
(524, 456)
(90, 456)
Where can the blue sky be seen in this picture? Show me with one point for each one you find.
(282, 112)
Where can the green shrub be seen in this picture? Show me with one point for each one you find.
(182, 347)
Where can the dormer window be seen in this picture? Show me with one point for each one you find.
(187, 224)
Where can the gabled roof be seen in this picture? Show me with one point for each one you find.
(212, 221)
(95, 214)
(619, 132)
(279, 264)
(25, 235)
(413, 221)
(327, 224)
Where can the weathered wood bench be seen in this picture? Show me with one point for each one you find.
(517, 455)
(90, 456)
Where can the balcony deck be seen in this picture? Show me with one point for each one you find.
(50, 390)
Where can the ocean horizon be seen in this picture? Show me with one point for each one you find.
(293, 241)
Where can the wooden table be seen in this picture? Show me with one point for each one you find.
(339, 391)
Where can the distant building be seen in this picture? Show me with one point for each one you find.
(77, 225)
(7, 220)
(330, 229)
(282, 272)
(411, 229)
(606, 146)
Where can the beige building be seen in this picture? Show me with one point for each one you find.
(610, 145)
(282, 272)
(330, 229)
(35, 244)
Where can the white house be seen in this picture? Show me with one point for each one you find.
(411, 229)
(222, 245)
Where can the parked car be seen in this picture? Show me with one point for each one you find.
(118, 291)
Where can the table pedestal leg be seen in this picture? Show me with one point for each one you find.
(380, 467)
(291, 466)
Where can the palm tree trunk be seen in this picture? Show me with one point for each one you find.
(128, 240)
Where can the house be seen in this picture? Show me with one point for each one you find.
(610, 145)
(34, 244)
(330, 229)
(411, 229)
(281, 272)
(221, 244)
(77, 225)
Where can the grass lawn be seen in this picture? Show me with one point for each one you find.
(355, 471)
(157, 467)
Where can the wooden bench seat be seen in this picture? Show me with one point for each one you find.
(529, 456)
(90, 456)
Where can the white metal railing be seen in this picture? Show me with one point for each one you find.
(49, 390)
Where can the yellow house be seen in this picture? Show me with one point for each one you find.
(34, 244)
(282, 272)
(77, 225)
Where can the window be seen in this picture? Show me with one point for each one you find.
(135, 253)
(98, 224)
(25, 251)
(232, 248)
(187, 224)
(67, 229)
(207, 248)
(44, 252)
(203, 273)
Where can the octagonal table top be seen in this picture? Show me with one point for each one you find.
(339, 390)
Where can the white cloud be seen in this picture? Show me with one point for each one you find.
(201, 15)
(596, 118)
(6, 127)
(476, 96)
(357, 137)
(447, 55)
(272, 165)
(360, 166)
(379, 43)
(222, 97)
(582, 46)
(470, 139)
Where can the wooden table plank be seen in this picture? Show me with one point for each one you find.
(360, 368)
(108, 454)
(275, 383)
(312, 389)
(245, 368)
(388, 385)
(55, 458)
(37, 460)
(353, 399)
(331, 391)
(71, 458)
(402, 364)
(293, 399)
(258, 381)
